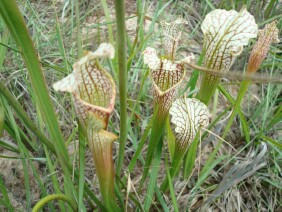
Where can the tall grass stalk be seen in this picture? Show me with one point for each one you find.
(81, 184)
(121, 55)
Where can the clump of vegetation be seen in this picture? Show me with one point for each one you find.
(129, 129)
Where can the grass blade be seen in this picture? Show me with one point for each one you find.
(244, 123)
(190, 157)
(108, 19)
(171, 189)
(5, 196)
(2, 118)
(153, 177)
(161, 199)
(4, 41)
(81, 168)
(16, 25)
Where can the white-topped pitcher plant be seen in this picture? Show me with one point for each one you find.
(166, 76)
(266, 36)
(93, 92)
(225, 35)
(188, 115)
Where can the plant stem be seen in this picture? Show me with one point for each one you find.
(207, 89)
(243, 120)
(158, 126)
(121, 53)
(176, 164)
(52, 197)
(140, 146)
(153, 177)
(242, 92)
(101, 145)
(190, 157)
(177, 161)
(105, 173)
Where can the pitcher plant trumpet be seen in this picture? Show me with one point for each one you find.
(266, 37)
(172, 34)
(225, 35)
(93, 92)
(188, 115)
(166, 76)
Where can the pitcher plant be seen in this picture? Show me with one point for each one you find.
(93, 92)
(266, 37)
(188, 115)
(225, 35)
(166, 76)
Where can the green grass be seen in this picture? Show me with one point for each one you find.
(39, 125)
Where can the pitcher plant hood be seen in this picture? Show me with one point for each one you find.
(92, 88)
(225, 34)
(166, 77)
(172, 33)
(266, 37)
(187, 116)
